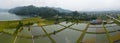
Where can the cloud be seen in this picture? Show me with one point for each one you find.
(66, 4)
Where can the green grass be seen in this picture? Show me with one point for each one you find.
(108, 35)
(117, 22)
(52, 40)
(83, 34)
(14, 23)
(48, 22)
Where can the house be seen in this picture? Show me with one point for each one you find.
(97, 21)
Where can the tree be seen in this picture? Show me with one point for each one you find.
(31, 10)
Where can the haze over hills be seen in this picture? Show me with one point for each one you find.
(69, 11)
(91, 12)
(62, 10)
(51, 12)
(102, 12)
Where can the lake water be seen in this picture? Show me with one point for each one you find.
(4, 16)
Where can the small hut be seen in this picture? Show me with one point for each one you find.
(97, 21)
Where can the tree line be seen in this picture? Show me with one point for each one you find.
(48, 12)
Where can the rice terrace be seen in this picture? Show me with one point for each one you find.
(66, 23)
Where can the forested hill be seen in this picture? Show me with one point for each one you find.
(50, 12)
(35, 11)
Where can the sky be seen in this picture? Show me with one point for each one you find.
(79, 5)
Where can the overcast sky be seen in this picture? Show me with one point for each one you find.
(79, 5)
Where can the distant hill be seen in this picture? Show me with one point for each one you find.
(90, 12)
(44, 12)
(51, 12)
(101, 12)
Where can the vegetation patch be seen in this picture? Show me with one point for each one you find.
(15, 23)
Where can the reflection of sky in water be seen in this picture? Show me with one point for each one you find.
(8, 16)
(67, 35)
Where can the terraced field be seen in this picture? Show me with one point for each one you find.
(63, 33)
